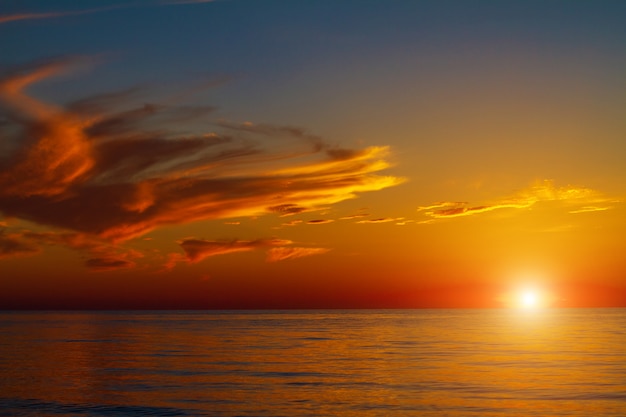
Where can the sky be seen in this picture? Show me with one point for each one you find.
(259, 154)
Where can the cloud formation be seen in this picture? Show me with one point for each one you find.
(51, 15)
(15, 245)
(108, 263)
(198, 249)
(382, 220)
(101, 255)
(282, 253)
(105, 167)
(543, 191)
(320, 221)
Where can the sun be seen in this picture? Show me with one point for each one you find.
(529, 299)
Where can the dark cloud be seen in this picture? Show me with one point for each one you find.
(108, 263)
(14, 245)
(287, 209)
(104, 167)
(198, 249)
(320, 221)
(382, 220)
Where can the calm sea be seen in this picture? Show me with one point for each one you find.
(560, 362)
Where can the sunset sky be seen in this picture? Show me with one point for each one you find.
(312, 154)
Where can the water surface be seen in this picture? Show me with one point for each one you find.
(560, 362)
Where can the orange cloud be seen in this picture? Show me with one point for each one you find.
(354, 216)
(104, 167)
(282, 253)
(543, 191)
(382, 220)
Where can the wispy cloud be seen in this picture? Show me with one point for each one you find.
(282, 253)
(101, 255)
(64, 13)
(108, 263)
(287, 209)
(51, 15)
(293, 222)
(588, 209)
(198, 249)
(382, 220)
(104, 167)
(15, 245)
(577, 198)
(354, 216)
(320, 221)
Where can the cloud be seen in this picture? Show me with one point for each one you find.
(354, 216)
(588, 209)
(106, 167)
(101, 254)
(293, 222)
(282, 253)
(287, 209)
(540, 192)
(108, 263)
(14, 245)
(320, 221)
(382, 220)
(198, 249)
(51, 15)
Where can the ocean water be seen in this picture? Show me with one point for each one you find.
(558, 362)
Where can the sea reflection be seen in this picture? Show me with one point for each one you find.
(561, 362)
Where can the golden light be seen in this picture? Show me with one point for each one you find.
(529, 299)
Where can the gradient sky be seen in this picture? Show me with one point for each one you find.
(311, 154)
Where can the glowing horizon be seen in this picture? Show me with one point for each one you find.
(330, 156)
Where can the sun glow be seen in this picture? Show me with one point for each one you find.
(529, 299)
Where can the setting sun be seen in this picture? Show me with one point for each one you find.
(529, 299)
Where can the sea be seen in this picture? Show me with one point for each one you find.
(479, 362)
